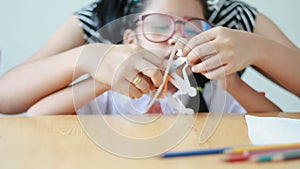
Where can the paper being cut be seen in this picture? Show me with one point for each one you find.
(183, 85)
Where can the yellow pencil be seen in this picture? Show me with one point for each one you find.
(263, 147)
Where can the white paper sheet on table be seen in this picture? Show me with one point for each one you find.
(273, 130)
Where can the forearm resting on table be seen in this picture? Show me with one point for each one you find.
(26, 84)
(69, 99)
(30, 82)
(250, 99)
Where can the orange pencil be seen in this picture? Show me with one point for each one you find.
(264, 147)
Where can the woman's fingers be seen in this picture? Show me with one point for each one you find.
(199, 53)
(141, 83)
(132, 70)
(126, 87)
(220, 48)
(134, 92)
(219, 73)
(208, 64)
(151, 66)
(200, 39)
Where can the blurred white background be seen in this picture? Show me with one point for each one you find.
(26, 25)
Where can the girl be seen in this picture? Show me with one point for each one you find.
(57, 60)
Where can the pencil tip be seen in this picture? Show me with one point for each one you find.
(163, 156)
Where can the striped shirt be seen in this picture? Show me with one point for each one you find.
(232, 14)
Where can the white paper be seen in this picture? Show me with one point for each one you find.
(273, 130)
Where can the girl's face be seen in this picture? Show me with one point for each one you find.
(175, 9)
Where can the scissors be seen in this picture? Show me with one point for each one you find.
(171, 67)
(213, 119)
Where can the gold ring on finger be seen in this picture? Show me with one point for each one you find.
(137, 80)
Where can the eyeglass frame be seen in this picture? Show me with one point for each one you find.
(173, 21)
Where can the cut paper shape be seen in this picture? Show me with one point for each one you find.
(179, 44)
(178, 105)
(183, 85)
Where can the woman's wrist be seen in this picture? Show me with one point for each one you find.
(263, 48)
(233, 83)
(91, 58)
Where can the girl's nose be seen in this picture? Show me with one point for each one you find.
(178, 34)
(174, 38)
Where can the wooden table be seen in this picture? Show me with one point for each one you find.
(56, 142)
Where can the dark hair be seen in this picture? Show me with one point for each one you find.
(205, 8)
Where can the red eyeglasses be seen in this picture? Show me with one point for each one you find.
(159, 27)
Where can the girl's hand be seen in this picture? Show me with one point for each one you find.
(222, 51)
(127, 69)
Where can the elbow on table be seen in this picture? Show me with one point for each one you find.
(9, 108)
(10, 105)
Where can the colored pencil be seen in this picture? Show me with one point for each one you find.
(194, 152)
(288, 155)
(248, 155)
(264, 147)
(271, 150)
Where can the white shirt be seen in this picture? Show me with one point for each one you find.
(110, 102)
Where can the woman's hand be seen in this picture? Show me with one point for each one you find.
(127, 69)
(222, 51)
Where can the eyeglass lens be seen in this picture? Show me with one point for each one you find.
(160, 28)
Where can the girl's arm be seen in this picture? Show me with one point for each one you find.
(68, 100)
(250, 99)
(50, 69)
(64, 58)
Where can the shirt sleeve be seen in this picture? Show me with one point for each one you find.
(88, 22)
(233, 14)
